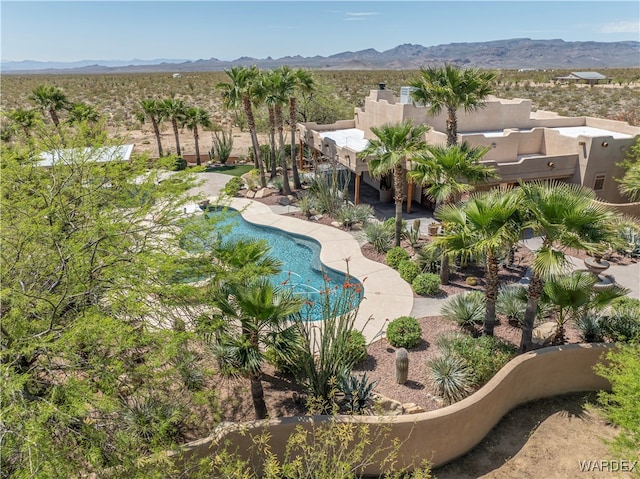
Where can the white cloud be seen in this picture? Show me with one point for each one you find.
(621, 27)
(362, 14)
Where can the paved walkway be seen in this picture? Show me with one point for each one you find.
(387, 295)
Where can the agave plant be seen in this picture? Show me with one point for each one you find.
(380, 237)
(357, 392)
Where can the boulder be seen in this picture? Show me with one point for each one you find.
(250, 194)
(543, 334)
(263, 193)
(284, 201)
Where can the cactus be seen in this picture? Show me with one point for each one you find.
(402, 365)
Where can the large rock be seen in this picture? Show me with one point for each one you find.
(263, 193)
(284, 201)
(250, 194)
(544, 333)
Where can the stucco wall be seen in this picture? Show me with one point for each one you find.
(445, 434)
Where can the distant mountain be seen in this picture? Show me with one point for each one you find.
(507, 54)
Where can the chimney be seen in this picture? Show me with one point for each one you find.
(382, 85)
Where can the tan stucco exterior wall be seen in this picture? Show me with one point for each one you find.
(445, 434)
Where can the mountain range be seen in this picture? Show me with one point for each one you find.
(518, 53)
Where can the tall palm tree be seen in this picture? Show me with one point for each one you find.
(257, 317)
(452, 88)
(174, 109)
(242, 91)
(23, 118)
(446, 172)
(486, 226)
(50, 99)
(388, 152)
(193, 118)
(266, 91)
(152, 110)
(303, 82)
(564, 216)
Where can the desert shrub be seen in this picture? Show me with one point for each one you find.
(404, 332)
(390, 224)
(222, 145)
(621, 405)
(623, 324)
(356, 347)
(395, 255)
(152, 417)
(426, 284)
(179, 164)
(484, 356)
(327, 199)
(306, 205)
(471, 281)
(590, 327)
(349, 215)
(252, 178)
(234, 185)
(380, 237)
(408, 270)
(466, 309)
(277, 184)
(512, 302)
(450, 376)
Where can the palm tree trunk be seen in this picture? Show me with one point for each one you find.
(195, 139)
(156, 131)
(54, 117)
(177, 135)
(257, 396)
(452, 127)
(251, 124)
(398, 185)
(491, 294)
(272, 139)
(286, 188)
(535, 291)
(292, 122)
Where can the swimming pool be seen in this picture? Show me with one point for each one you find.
(302, 271)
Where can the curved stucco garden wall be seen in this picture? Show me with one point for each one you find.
(444, 434)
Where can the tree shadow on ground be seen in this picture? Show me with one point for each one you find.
(511, 434)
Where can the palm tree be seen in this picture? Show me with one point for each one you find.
(446, 172)
(82, 112)
(174, 109)
(304, 82)
(257, 317)
(23, 118)
(565, 216)
(242, 91)
(193, 118)
(395, 143)
(266, 91)
(152, 110)
(485, 226)
(50, 99)
(452, 88)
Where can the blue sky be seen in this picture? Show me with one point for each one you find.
(124, 30)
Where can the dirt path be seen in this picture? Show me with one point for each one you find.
(545, 439)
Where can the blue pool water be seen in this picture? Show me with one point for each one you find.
(302, 270)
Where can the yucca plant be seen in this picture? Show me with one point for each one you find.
(590, 327)
(450, 376)
(380, 237)
(466, 309)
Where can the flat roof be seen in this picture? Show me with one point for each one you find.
(497, 133)
(99, 155)
(576, 131)
(352, 138)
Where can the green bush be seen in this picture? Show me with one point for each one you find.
(408, 270)
(234, 185)
(356, 347)
(484, 356)
(426, 284)
(395, 255)
(179, 164)
(623, 324)
(380, 237)
(404, 332)
(349, 215)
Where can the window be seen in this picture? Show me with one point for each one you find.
(598, 182)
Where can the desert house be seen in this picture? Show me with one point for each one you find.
(590, 78)
(524, 144)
